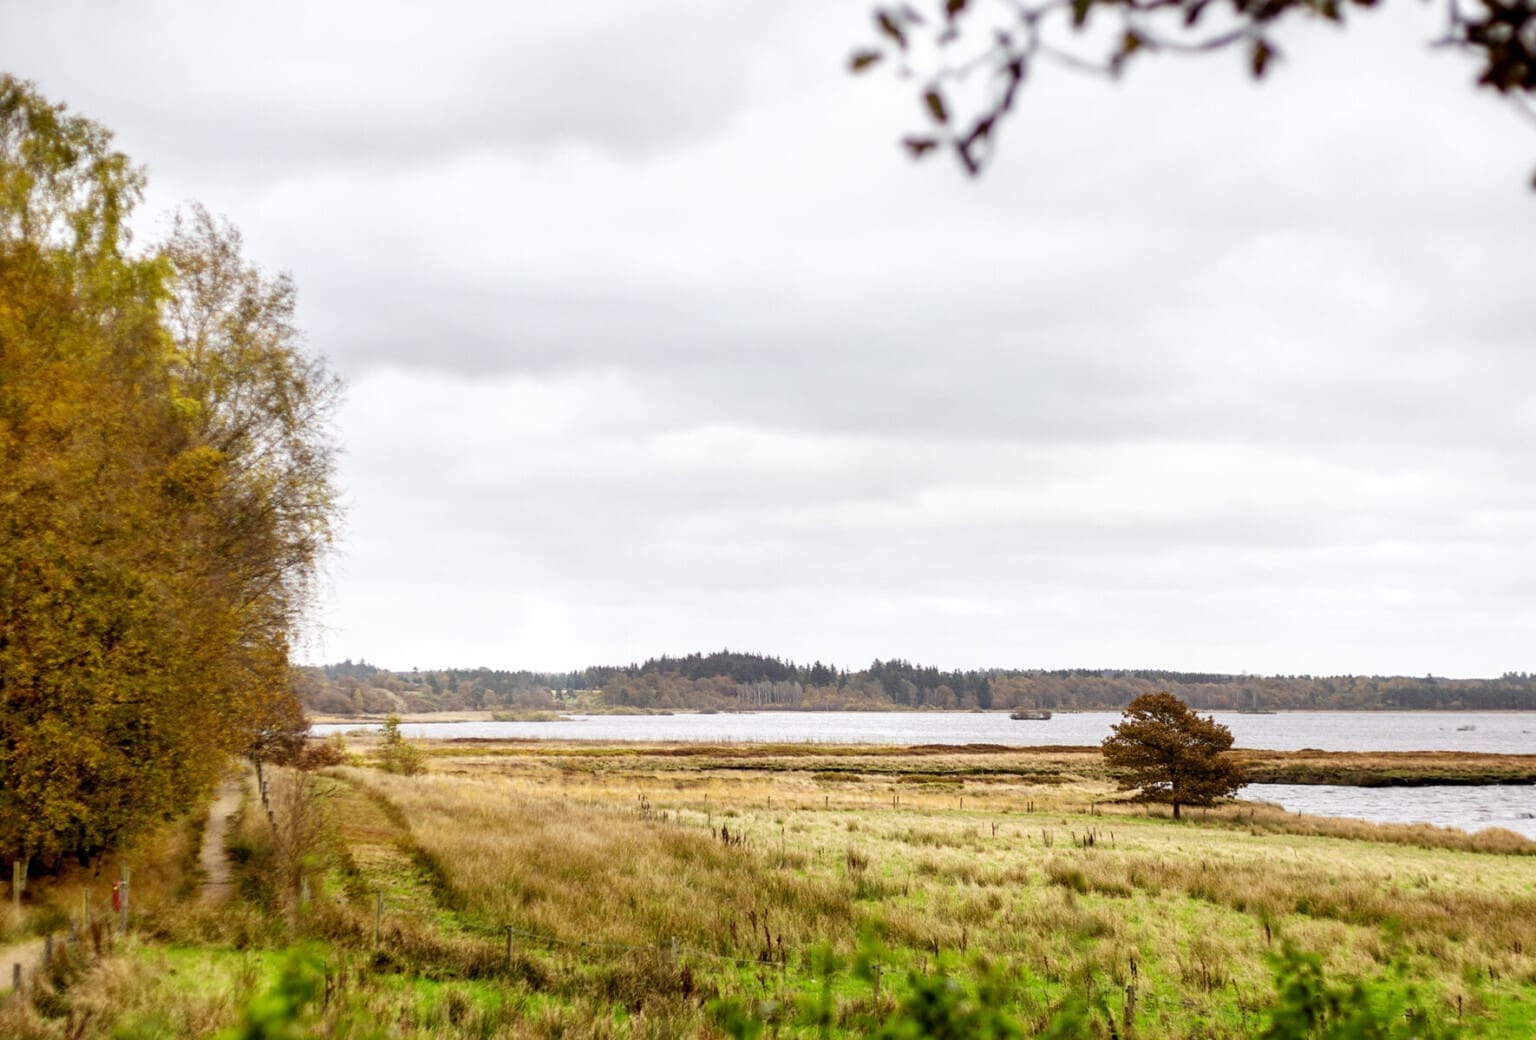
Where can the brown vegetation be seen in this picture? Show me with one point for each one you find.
(616, 891)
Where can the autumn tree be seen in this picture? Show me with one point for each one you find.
(258, 409)
(971, 59)
(165, 495)
(1168, 753)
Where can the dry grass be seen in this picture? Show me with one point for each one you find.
(163, 874)
(611, 846)
(1047, 762)
(600, 857)
(1386, 768)
(603, 874)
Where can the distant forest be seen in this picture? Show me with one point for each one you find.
(726, 681)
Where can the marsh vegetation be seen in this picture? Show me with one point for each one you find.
(555, 889)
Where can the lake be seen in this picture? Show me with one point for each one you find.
(1506, 733)
(1466, 808)
(1470, 808)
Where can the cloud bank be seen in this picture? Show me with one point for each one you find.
(655, 342)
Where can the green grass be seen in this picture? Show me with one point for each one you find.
(600, 857)
(1070, 900)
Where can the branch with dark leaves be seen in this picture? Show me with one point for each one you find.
(971, 57)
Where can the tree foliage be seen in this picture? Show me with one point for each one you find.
(1170, 754)
(972, 58)
(725, 680)
(396, 754)
(165, 495)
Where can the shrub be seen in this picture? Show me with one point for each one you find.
(396, 754)
(319, 754)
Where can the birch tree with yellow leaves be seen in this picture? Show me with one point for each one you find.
(166, 496)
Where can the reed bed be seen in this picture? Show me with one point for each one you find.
(1080, 892)
(641, 884)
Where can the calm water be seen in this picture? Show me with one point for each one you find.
(1470, 808)
(1498, 732)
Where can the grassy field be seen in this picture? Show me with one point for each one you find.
(571, 890)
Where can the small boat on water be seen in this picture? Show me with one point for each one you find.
(1031, 714)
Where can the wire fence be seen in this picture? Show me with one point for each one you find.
(672, 949)
(33, 958)
(1130, 990)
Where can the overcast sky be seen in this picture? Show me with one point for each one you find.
(655, 342)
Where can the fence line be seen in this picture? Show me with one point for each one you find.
(57, 942)
(1132, 992)
(673, 948)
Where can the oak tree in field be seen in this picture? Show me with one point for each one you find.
(971, 58)
(165, 496)
(1168, 753)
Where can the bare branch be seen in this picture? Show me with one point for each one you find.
(1002, 38)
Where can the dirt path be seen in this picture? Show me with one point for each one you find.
(211, 858)
(217, 885)
(28, 954)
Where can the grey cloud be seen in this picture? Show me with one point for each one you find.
(656, 342)
(260, 92)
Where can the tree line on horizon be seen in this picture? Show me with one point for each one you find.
(730, 680)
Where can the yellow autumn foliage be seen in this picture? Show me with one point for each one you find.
(165, 496)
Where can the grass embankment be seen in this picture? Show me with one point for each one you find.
(1386, 768)
(640, 883)
(1049, 763)
(759, 856)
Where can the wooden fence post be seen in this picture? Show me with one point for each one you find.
(123, 879)
(378, 917)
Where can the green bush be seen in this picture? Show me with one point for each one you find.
(396, 754)
(940, 1006)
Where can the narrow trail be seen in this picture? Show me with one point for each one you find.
(217, 884)
(28, 954)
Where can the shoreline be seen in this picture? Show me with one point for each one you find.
(1261, 766)
(418, 718)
